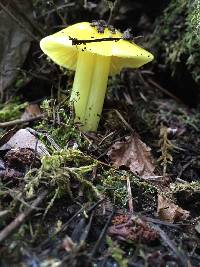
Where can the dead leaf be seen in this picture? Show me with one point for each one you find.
(168, 211)
(24, 139)
(134, 154)
(31, 111)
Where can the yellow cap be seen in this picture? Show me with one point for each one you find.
(63, 47)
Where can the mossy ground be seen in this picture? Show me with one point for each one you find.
(77, 174)
(83, 189)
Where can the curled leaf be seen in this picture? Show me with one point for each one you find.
(168, 211)
(134, 154)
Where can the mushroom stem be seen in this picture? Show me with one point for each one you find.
(82, 83)
(97, 93)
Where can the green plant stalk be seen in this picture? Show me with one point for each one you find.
(89, 89)
(97, 93)
(81, 85)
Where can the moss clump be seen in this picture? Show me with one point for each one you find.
(188, 196)
(195, 17)
(176, 37)
(58, 123)
(63, 172)
(11, 110)
(114, 184)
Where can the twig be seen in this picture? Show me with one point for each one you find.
(65, 225)
(63, 228)
(183, 260)
(130, 198)
(163, 90)
(124, 121)
(76, 41)
(57, 9)
(85, 233)
(19, 22)
(184, 168)
(113, 10)
(20, 121)
(19, 220)
(98, 243)
(105, 137)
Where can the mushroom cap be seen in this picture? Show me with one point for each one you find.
(62, 50)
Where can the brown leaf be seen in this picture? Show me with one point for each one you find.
(134, 154)
(168, 211)
(32, 110)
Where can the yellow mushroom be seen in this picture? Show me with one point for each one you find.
(94, 56)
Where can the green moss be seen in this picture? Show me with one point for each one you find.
(58, 123)
(176, 37)
(188, 196)
(114, 184)
(59, 171)
(11, 110)
(192, 187)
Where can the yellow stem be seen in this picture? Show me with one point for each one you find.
(97, 93)
(82, 84)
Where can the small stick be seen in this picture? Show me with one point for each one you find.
(130, 198)
(113, 10)
(19, 121)
(163, 90)
(101, 237)
(183, 260)
(124, 121)
(20, 219)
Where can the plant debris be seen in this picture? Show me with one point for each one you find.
(126, 228)
(168, 211)
(134, 154)
(127, 195)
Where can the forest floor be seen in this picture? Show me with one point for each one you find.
(128, 195)
(69, 197)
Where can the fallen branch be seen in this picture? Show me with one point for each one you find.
(19, 121)
(20, 219)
